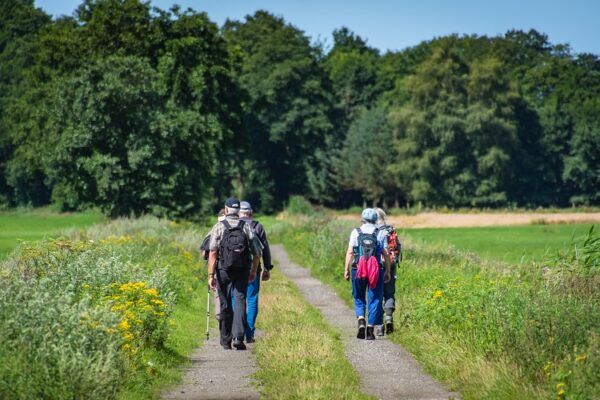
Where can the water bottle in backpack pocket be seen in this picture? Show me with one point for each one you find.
(234, 252)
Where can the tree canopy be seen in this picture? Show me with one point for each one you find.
(138, 110)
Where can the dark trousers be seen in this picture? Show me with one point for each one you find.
(232, 283)
(389, 292)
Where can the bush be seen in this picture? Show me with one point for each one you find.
(298, 205)
(78, 314)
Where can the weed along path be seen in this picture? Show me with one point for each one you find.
(217, 374)
(386, 370)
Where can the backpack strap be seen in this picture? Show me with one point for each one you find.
(226, 223)
(254, 224)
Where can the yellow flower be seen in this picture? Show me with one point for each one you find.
(437, 294)
(128, 336)
(158, 302)
(581, 358)
(151, 292)
(124, 325)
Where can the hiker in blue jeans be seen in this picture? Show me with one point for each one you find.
(254, 286)
(368, 256)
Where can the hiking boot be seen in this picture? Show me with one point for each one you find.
(250, 339)
(239, 344)
(389, 324)
(362, 325)
(370, 335)
(226, 346)
(379, 330)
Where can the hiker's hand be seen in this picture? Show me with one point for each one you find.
(212, 282)
(266, 275)
(387, 276)
(347, 274)
(252, 275)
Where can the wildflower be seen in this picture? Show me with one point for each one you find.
(128, 336)
(124, 325)
(151, 292)
(437, 294)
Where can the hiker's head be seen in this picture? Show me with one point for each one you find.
(221, 215)
(232, 206)
(380, 216)
(368, 216)
(245, 209)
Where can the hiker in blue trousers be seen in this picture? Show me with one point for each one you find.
(254, 286)
(368, 265)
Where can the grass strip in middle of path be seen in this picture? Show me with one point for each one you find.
(299, 355)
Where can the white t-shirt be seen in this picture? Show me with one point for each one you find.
(368, 228)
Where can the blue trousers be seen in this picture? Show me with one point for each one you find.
(252, 302)
(252, 306)
(373, 301)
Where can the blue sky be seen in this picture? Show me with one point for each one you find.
(394, 25)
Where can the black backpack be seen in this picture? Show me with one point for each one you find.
(367, 245)
(234, 252)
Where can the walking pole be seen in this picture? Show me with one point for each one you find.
(207, 312)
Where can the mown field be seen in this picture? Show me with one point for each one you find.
(486, 328)
(34, 225)
(510, 244)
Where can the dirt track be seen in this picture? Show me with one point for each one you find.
(435, 220)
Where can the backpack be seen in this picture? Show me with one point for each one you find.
(394, 245)
(369, 253)
(234, 251)
(204, 247)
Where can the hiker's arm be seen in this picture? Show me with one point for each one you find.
(388, 265)
(255, 262)
(212, 259)
(349, 256)
(266, 256)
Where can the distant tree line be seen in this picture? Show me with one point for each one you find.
(139, 110)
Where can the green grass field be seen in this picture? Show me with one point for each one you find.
(511, 244)
(33, 225)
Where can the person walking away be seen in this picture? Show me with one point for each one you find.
(204, 248)
(238, 252)
(389, 288)
(254, 286)
(368, 265)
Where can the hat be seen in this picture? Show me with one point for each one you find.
(369, 215)
(232, 202)
(245, 206)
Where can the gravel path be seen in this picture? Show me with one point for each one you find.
(217, 374)
(386, 370)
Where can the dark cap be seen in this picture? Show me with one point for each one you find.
(232, 202)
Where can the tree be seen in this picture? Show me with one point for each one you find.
(288, 109)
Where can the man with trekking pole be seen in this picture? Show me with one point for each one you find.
(238, 251)
(368, 265)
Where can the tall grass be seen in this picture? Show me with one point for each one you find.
(487, 329)
(94, 315)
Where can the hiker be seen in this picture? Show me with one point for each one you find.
(238, 252)
(205, 251)
(366, 249)
(389, 288)
(254, 286)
